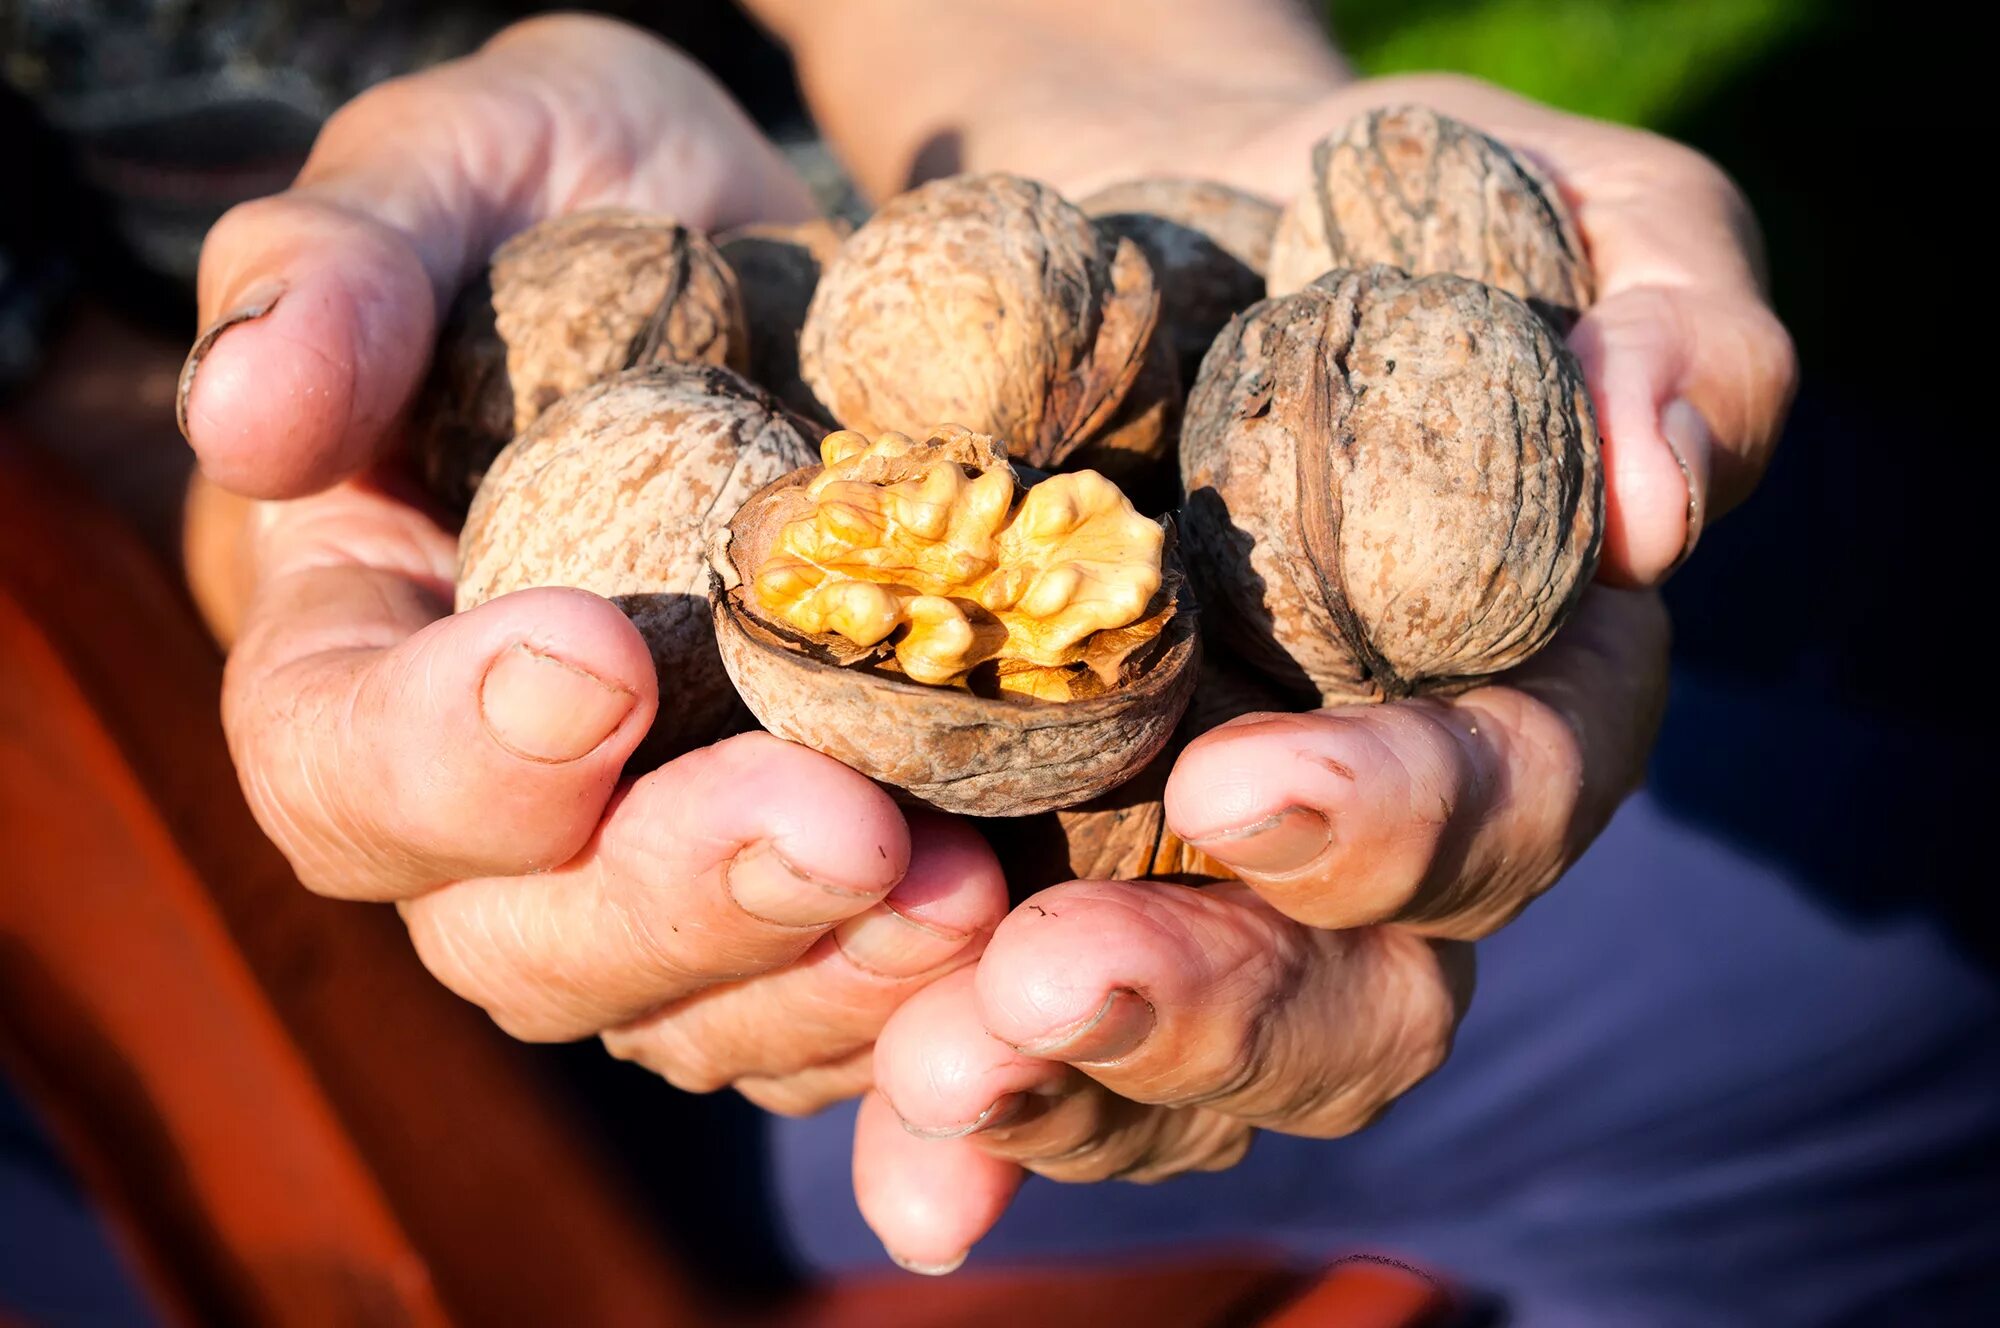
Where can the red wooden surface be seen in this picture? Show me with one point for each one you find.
(287, 1121)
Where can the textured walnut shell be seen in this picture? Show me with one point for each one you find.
(777, 269)
(564, 304)
(1208, 245)
(1122, 835)
(1422, 192)
(987, 301)
(1393, 485)
(944, 746)
(616, 490)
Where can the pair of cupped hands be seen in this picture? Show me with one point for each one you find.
(757, 915)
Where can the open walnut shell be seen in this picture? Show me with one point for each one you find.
(617, 491)
(1394, 485)
(777, 268)
(1050, 722)
(990, 301)
(1425, 193)
(565, 304)
(1208, 246)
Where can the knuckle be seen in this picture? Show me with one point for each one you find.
(670, 1052)
(785, 1097)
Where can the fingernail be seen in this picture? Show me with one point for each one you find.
(894, 945)
(1115, 1030)
(1688, 437)
(1005, 1110)
(1287, 842)
(950, 1265)
(771, 889)
(259, 300)
(545, 709)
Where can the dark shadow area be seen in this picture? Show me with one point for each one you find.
(698, 1164)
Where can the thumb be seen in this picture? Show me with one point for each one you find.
(319, 305)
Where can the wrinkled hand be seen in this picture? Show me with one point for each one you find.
(747, 914)
(1140, 1029)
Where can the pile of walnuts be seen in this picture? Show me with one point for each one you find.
(947, 497)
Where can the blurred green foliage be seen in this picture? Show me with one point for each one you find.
(1636, 61)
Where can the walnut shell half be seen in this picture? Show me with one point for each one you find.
(981, 747)
(1425, 193)
(564, 304)
(1393, 485)
(1208, 245)
(616, 491)
(989, 301)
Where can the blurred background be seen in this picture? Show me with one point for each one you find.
(128, 126)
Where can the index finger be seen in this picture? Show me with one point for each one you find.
(319, 305)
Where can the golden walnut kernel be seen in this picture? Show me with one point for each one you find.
(911, 608)
(958, 570)
(1422, 192)
(988, 300)
(564, 304)
(1393, 485)
(616, 491)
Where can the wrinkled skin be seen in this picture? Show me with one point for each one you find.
(1459, 811)
(477, 768)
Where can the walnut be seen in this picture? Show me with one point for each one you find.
(777, 269)
(911, 608)
(1422, 192)
(988, 300)
(1393, 485)
(616, 490)
(564, 304)
(1208, 245)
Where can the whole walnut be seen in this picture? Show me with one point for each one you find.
(616, 490)
(1393, 485)
(564, 304)
(920, 610)
(1422, 192)
(990, 302)
(777, 268)
(1208, 245)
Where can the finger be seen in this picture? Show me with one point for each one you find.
(1691, 372)
(386, 748)
(835, 999)
(723, 864)
(947, 1077)
(927, 1200)
(1691, 389)
(319, 304)
(1446, 816)
(810, 1091)
(1206, 998)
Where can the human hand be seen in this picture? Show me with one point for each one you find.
(746, 914)
(1141, 1029)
